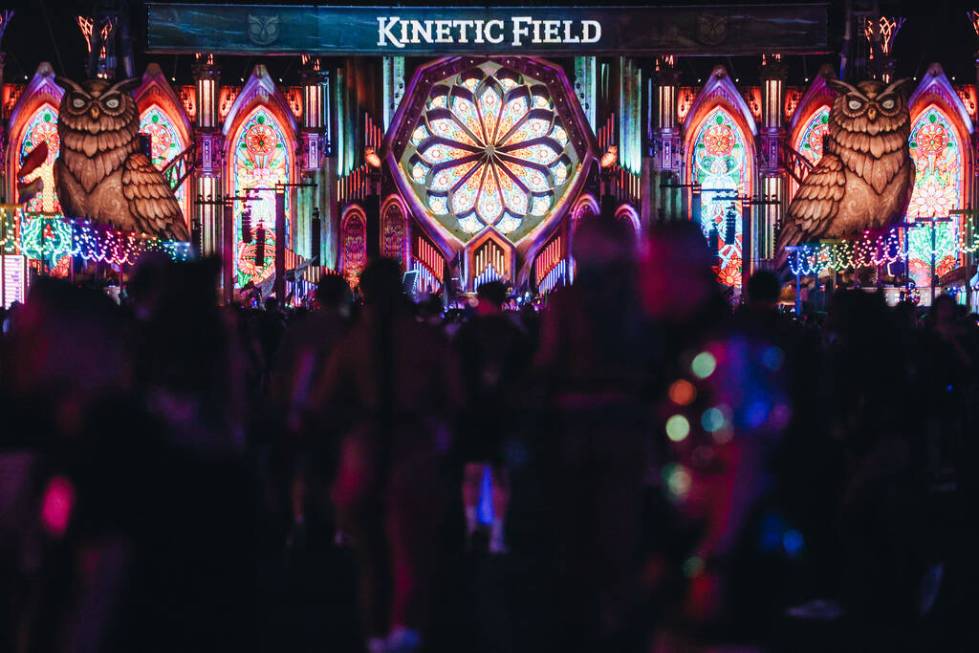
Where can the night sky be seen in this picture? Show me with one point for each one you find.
(936, 30)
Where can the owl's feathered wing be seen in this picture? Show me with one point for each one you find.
(151, 201)
(815, 205)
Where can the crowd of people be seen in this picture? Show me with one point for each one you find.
(636, 467)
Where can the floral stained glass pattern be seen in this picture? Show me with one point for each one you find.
(810, 143)
(719, 165)
(937, 156)
(261, 160)
(165, 143)
(43, 128)
(489, 150)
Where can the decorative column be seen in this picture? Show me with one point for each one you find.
(973, 220)
(5, 17)
(666, 144)
(770, 190)
(880, 33)
(99, 34)
(207, 215)
(312, 199)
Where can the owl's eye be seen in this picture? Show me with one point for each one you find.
(78, 102)
(112, 103)
(854, 104)
(888, 103)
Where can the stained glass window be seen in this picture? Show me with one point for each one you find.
(165, 143)
(489, 150)
(937, 156)
(719, 165)
(43, 127)
(261, 159)
(810, 143)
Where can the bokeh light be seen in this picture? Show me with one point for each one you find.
(677, 428)
(712, 419)
(703, 365)
(772, 358)
(57, 505)
(677, 480)
(682, 392)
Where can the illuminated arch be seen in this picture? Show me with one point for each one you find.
(719, 135)
(720, 162)
(629, 214)
(353, 243)
(162, 116)
(808, 140)
(941, 132)
(810, 120)
(260, 138)
(35, 117)
(395, 238)
(585, 207)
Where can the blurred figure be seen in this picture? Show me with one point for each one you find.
(593, 360)
(188, 360)
(306, 346)
(493, 355)
(142, 517)
(300, 361)
(51, 385)
(392, 382)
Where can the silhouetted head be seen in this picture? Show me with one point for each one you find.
(493, 293)
(944, 311)
(67, 339)
(332, 292)
(381, 283)
(604, 242)
(676, 280)
(763, 289)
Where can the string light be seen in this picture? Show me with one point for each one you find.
(53, 237)
(877, 251)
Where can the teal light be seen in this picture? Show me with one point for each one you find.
(703, 365)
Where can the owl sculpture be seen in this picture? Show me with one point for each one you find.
(865, 177)
(101, 172)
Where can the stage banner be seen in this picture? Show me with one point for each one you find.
(332, 30)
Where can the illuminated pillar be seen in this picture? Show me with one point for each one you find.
(770, 188)
(315, 145)
(394, 86)
(279, 284)
(209, 165)
(972, 218)
(665, 138)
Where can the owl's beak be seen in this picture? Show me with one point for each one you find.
(872, 113)
(94, 112)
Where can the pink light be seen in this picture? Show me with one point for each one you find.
(56, 506)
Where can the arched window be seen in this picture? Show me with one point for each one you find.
(938, 188)
(394, 231)
(810, 141)
(165, 144)
(42, 127)
(260, 160)
(719, 163)
(353, 238)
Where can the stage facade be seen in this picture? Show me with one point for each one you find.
(470, 143)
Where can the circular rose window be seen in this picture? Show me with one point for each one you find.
(489, 150)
